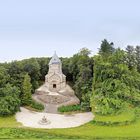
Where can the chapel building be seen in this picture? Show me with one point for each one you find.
(55, 80)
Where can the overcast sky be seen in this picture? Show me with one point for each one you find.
(36, 28)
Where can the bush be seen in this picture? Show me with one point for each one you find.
(85, 106)
(137, 112)
(37, 106)
(69, 108)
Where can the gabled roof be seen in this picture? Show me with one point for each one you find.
(55, 60)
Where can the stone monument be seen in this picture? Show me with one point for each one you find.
(44, 121)
(55, 92)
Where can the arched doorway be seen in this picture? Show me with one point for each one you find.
(54, 86)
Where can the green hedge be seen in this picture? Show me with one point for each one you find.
(35, 106)
(69, 108)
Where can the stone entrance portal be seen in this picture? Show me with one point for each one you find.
(54, 85)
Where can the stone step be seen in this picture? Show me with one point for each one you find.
(53, 99)
(51, 108)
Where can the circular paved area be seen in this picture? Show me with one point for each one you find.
(31, 119)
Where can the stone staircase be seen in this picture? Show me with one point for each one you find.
(53, 100)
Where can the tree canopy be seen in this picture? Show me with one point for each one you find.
(116, 82)
(9, 100)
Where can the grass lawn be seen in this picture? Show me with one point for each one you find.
(127, 117)
(9, 122)
(94, 131)
(8, 129)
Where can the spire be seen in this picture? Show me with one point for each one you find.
(55, 59)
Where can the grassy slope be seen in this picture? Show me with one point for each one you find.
(86, 131)
(9, 122)
(92, 131)
(128, 115)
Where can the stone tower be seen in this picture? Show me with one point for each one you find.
(55, 80)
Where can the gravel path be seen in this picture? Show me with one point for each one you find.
(31, 119)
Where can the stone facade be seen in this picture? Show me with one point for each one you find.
(55, 80)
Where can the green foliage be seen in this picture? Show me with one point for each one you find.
(71, 108)
(115, 85)
(137, 54)
(103, 100)
(137, 113)
(36, 106)
(130, 57)
(66, 69)
(4, 76)
(26, 97)
(43, 66)
(81, 66)
(16, 73)
(32, 67)
(9, 100)
(106, 48)
(85, 104)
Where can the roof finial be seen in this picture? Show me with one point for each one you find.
(55, 59)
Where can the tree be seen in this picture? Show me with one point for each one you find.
(43, 64)
(81, 67)
(119, 57)
(108, 88)
(65, 69)
(115, 86)
(15, 70)
(32, 67)
(106, 49)
(4, 76)
(137, 52)
(80, 59)
(130, 57)
(9, 100)
(84, 52)
(26, 91)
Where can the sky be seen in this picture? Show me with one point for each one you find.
(37, 28)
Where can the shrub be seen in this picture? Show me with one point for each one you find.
(137, 112)
(85, 106)
(69, 108)
(37, 106)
